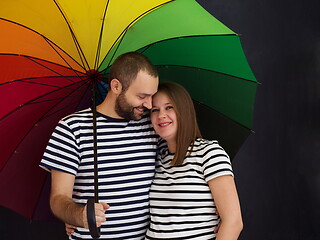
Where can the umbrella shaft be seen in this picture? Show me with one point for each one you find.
(95, 147)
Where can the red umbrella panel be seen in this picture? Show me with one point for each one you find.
(26, 128)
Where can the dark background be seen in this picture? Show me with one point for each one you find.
(278, 168)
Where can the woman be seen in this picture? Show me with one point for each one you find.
(193, 179)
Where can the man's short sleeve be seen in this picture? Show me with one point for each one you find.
(62, 152)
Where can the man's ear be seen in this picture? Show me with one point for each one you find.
(115, 86)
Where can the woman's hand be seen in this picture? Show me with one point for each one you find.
(70, 229)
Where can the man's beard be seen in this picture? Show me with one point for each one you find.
(125, 110)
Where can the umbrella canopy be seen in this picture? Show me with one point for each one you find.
(52, 52)
(191, 47)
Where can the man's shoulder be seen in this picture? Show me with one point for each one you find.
(145, 120)
(85, 114)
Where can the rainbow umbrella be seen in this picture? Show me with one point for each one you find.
(52, 53)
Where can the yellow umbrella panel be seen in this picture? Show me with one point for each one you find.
(77, 27)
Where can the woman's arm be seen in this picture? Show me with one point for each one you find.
(224, 192)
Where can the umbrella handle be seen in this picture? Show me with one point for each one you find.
(91, 217)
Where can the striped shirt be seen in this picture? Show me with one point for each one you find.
(126, 164)
(181, 204)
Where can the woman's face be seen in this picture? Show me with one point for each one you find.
(163, 117)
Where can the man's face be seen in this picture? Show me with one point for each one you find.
(132, 104)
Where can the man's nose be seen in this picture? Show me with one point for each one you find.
(148, 103)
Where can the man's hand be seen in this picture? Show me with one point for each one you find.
(100, 209)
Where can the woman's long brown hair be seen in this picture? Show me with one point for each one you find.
(188, 130)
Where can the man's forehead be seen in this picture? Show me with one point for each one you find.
(145, 84)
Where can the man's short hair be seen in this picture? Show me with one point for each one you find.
(127, 66)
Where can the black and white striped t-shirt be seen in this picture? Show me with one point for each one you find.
(126, 163)
(181, 204)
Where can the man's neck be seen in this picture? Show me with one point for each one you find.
(107, 107)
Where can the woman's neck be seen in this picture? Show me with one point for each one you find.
(172, 146)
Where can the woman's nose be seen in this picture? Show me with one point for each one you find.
(162, 114)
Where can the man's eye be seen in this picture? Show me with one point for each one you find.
(142, 97)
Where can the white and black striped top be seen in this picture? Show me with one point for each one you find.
(126, 163)
(181, 203)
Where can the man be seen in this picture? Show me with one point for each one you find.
(126, 156)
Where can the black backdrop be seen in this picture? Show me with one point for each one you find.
(278, 168)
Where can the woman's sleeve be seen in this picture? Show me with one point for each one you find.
(215, 162)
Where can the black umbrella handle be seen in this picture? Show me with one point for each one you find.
(91, 217)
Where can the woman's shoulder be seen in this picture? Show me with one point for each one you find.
(206, 146)
(201, 142)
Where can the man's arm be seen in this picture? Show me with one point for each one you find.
(65, 208)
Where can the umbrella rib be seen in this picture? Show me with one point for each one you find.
(122, 34)
(43, 101)
(188, 36)
(41, 118)
(34, 99)
(168, 39)
(237, 123)
(29, 58)
(145, 48)
(70, 67)
(225, 74)
(48, 40)
(100, 36)
(78, 47)
(43, 84)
